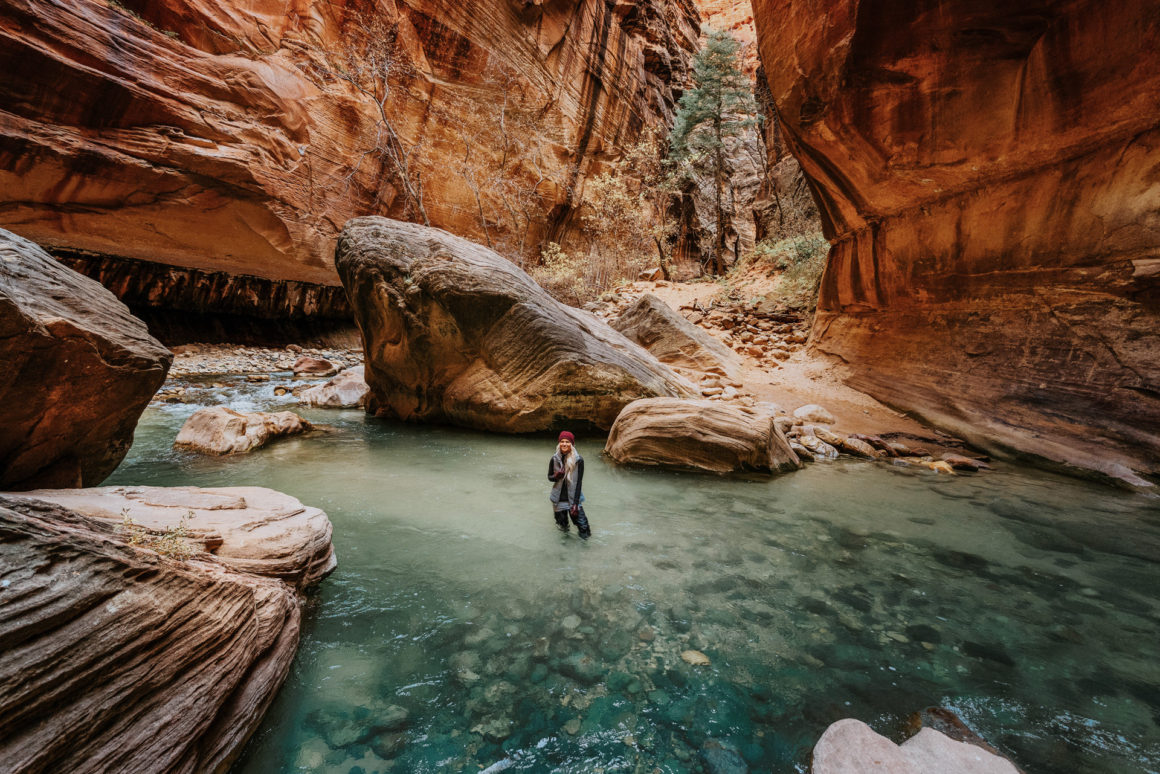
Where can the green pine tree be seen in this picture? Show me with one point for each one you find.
(718, 107)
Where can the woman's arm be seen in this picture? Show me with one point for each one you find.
(554, 473)
(579, 481)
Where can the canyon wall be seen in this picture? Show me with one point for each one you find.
(989, 176)
(239, 137)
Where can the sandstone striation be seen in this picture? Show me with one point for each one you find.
(455, 333)
(673, 340)
(987, 174)
(699, 435)
(249, 529)
(116, 658)
(78, 370)
(237, 137)
(221, 430)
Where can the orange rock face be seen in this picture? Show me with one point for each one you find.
(989, 175)
(217, 135)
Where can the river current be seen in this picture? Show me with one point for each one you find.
(463, 632)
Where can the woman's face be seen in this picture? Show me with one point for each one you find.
(565, 446)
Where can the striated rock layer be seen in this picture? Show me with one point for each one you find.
(76, 371)
(115, 658)
(222, 136)
(989, 176)
(455, 333)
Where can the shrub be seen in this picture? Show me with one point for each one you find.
(174, 542)
(802, 260)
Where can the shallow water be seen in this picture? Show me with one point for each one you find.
(462, 631)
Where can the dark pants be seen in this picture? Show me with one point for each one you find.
(580, 520)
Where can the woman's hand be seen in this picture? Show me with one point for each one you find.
(575, 510)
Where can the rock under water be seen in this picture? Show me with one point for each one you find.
(455, 333)
(987, 175)
(77, 371)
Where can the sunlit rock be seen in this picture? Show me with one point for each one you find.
(674, 340)
(221, 430)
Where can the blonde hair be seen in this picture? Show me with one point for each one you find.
(570, 460)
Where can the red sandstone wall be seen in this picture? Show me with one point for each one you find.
(193, 133)
(989, 175)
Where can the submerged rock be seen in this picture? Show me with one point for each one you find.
(456, 333)
(118, 658)
(347, 390)
(221, 430)
(250, 529)
(674, 340)
(78, 370)
(851, 747)
(695, 658)
(699, 435)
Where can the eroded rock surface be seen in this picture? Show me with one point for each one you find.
(851, 747)
(76, 371)
(699, 435)
(347, 390)
(221, 430)
(987, 174)
(455, 333)
(250, 529)
(115, 658)
(672, 339)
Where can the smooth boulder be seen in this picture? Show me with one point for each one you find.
(221, 430)
(673, 340)
(699, 435)
(248, 528)
(313, 366)
(455, 333)
(118, 658)
(851, 747)
(78, 369)
(347, 390)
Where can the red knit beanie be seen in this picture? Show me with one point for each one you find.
(565, 434)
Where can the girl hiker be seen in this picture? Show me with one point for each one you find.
(566, 472)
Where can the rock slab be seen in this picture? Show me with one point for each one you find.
(247, 528)
(221, 430)
(455, 333)
(851, 747)
(673, 340)
(699, 435)
(76, 371)
(116, 658)
(347, 390)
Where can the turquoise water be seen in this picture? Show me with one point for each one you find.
(462, 631)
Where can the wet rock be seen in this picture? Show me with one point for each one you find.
(959, 462)
(582, 668)
(78, 371)
(455, 333)
(695, 658)
(672, 339)
(851, 747)
(720, 758)
(184, 656)
(814, 414)
(313, 366)
(347, 390)
(819, 449)
(699, 435)
(251, 529)
(221, 430)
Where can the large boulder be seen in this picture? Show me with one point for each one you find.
(699, 435)
(455, 333)
(118, 658)
(250, 529)
(672, 339)
(987, 172)
(851, 747)
(76, 371)
(347, 390)
(221, 430)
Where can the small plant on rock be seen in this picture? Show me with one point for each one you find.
(174, 542)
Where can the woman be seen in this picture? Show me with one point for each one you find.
(566, 472)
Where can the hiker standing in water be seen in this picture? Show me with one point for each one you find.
(566, 472)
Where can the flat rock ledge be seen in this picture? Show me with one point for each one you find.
(851, 747)
(347, 390)
(221, 430)
(456, 333)
(699, 435)
(247, 528)
(675, 341)
(115, 657)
